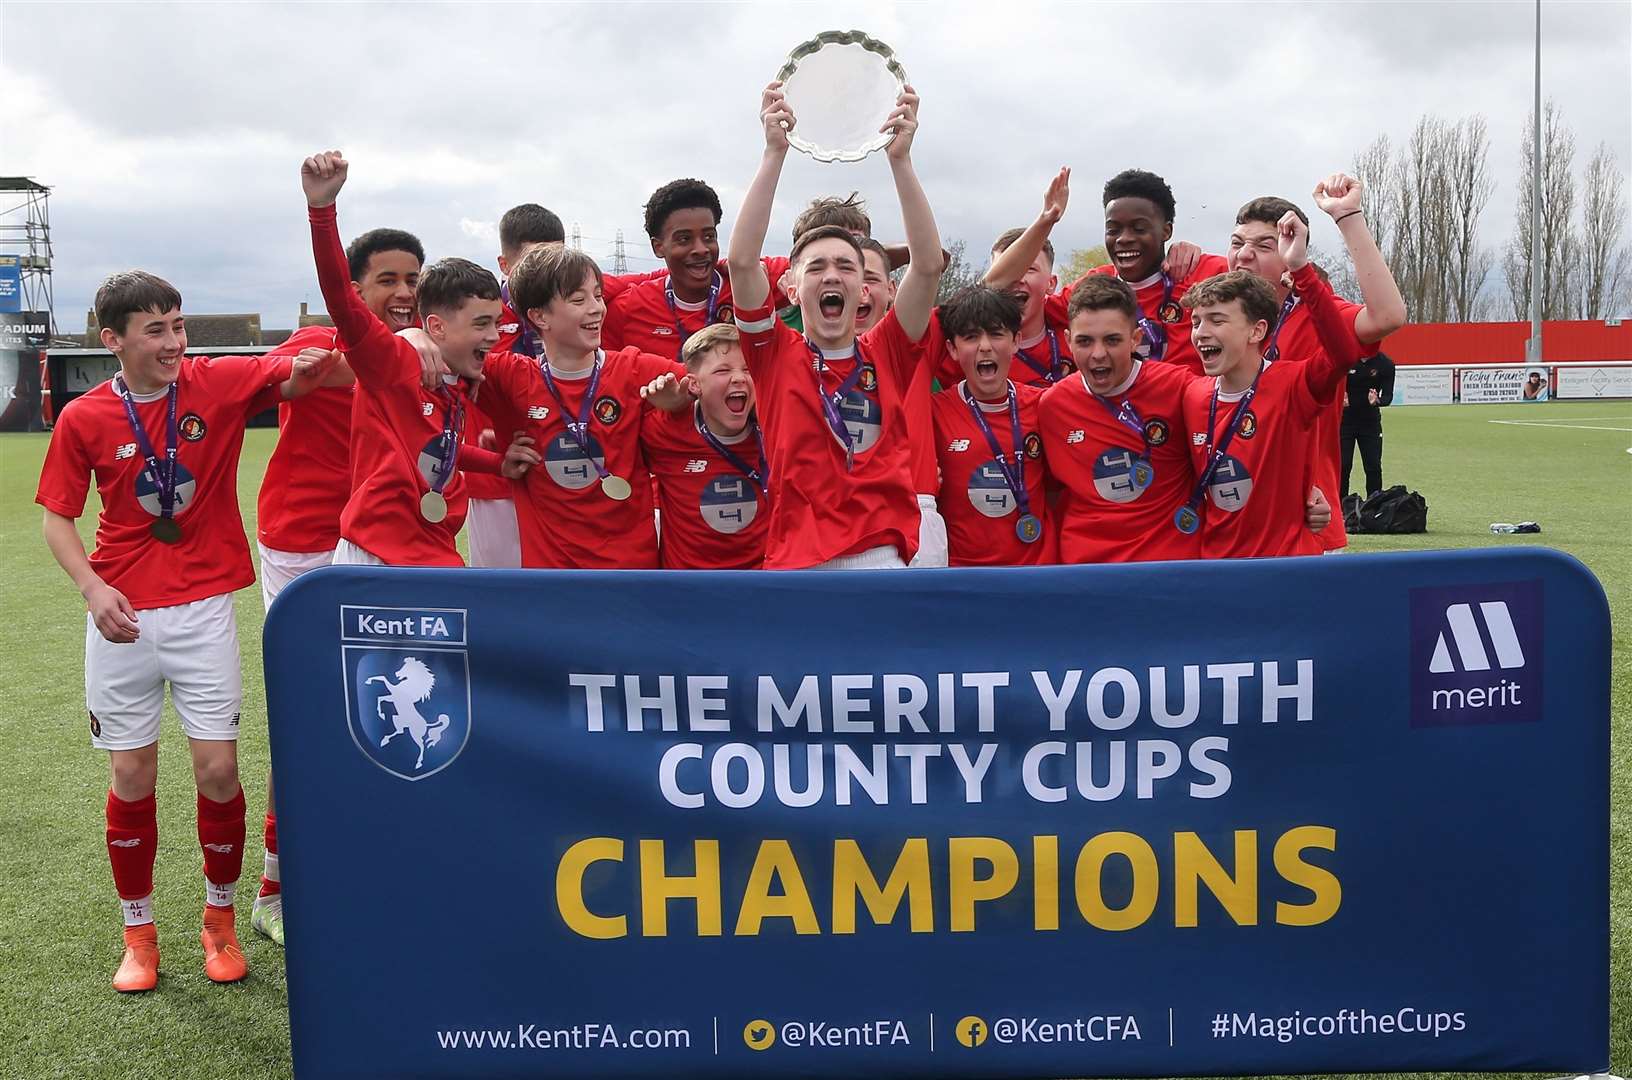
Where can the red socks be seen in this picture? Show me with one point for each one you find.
(270, 885)
(221, 834)
(133, 841)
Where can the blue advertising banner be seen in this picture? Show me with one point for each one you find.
(1276, 816)
(11, 283)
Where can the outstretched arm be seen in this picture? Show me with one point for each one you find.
(1010, 265)
(749, 286)
(915, 299)
(1384, 310)
(1339, 350)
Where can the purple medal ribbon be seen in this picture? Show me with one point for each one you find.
(1056, 369)
(715, 284)
(1015, 477)
(164, 479)
(453, 430)
(1215, 454)
(832, 401)
(528, 342)
(1155, 332)
(1273, 353)
(761, 476)
(579, 428)
(1126, 415)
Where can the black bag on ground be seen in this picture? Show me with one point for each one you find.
(1395, 510)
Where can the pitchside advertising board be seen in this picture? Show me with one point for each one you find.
(1278, 816)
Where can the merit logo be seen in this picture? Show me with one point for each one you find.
(1476, 654)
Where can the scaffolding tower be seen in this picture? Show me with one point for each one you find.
(25, 235)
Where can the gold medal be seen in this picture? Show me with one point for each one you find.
(616, 487)
(433, 507)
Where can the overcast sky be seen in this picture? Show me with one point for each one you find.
(171, 135)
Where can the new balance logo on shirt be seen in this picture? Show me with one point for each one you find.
(426, 408)
(537, 412)
(697, 465)
(1198, 438)
(957, 446)
(124, 450)
(1075, 436)
(1476, 654)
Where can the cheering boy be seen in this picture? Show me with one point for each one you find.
(841, 476)
(162, 439)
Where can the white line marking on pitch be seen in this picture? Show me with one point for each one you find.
(1563, 425)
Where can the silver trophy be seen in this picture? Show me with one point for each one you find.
(841, 85)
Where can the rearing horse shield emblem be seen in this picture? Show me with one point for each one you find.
(408, 702)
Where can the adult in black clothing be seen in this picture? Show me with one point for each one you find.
(1370, 387)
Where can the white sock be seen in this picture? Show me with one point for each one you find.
(219, 895)
(137, 912)
(271, 870)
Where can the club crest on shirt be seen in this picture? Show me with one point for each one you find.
(1033, 443)
(1249, 425)
(1156, 431)
(725, 314)
(191, 427)
(869, 378)
(608, 410)
(1170, 312)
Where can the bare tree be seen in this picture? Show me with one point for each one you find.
(1374, 168)
(959, 272)
(1603, 220)
(1467, 168)
(1421, 213)
(1560, 246)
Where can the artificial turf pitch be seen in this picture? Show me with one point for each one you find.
(1565, 465)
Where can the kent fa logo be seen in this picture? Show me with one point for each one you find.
(407, 686)
(1476, 654)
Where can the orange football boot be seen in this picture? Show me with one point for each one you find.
(139, 970)
(223, 959)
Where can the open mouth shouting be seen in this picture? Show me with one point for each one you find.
(737, 402)
(831, 303)
(986, 369)
(401, 318)
(1211, 353)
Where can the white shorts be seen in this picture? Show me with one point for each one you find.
(348, 554)
(193, 647)
(279, 568)
(884, 557)
(495, 538)
(932, 545)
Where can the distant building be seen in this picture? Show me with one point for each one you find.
(219, 331)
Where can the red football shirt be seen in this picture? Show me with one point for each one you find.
(1299, 341)
(714, 516)
(397, 426)
(1257, 494)
(308, 478)
(566, 520)
(92, 438)
(980, 507)
(1108, 516)
(820, 509)
(1151, 294)
(639, 316)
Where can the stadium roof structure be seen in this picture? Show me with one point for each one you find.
(22, 183)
